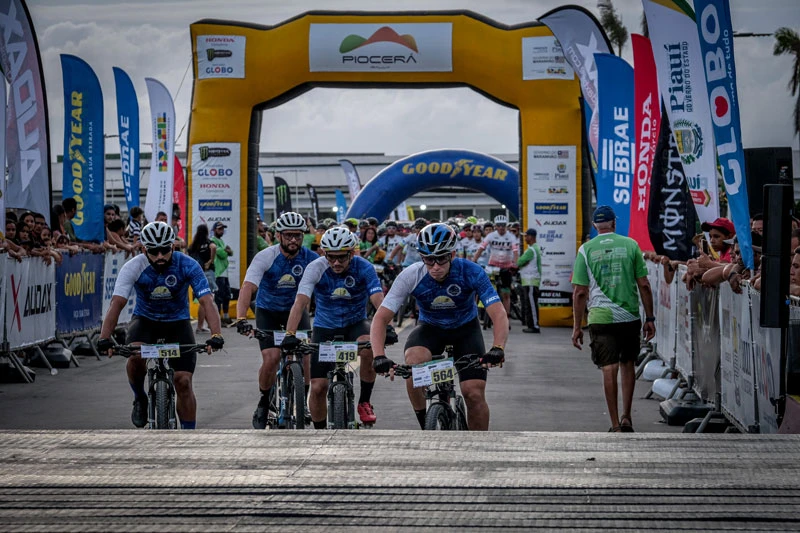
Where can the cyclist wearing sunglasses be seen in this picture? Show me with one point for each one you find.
(445, 288)
(275, 273)
(161, 279)
(342, 282)
(503, 253)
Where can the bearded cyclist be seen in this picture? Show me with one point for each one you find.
(275, 273)
(445, 288)
(161, 278)
(342, 282)
(503, 253)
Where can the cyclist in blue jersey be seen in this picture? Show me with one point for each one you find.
(342, 282)
(275, 273)
(161, 278)
(445, 288)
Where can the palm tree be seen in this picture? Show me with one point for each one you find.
(787, 41)
(645, 28)
(612, 23)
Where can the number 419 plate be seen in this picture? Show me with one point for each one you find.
(160, 351)
(338, 352)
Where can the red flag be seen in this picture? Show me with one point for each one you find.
(179, 197)
(647, 105)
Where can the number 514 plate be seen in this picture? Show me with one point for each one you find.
(433, 373)
(160, 351)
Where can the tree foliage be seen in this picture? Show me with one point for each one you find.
(787, 41)
(612, 23)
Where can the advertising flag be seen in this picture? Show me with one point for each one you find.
(260, 196)
(162, 116)
(283, 197)
(682, 82)
(341, 206)
(647, 121)
(128, 123)
(27, 133)
(84, 147)
(716, 41)
(617, 137)
(179, 197)
(312, 197)
(353, 181)
(402, 212)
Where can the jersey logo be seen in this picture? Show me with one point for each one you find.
(297, 270)
(349, 282)
(286, 281)
(341, 292)
(442, 302)
(454, 290)
(160, 293)
(171, 280)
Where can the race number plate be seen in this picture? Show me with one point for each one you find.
(338, 352)
(433, 373)
(279, 335)
(160, 351)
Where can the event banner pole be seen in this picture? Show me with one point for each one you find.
(162, 116)
(128, 124)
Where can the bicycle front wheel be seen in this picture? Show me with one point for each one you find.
(163, 404)
(339, 394)
(296, 397)
(437, 418)
(461, 415)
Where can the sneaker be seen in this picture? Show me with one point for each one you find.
(531, 330)
(139, 413)
(366, 414)
(202, 330)
(226, 321)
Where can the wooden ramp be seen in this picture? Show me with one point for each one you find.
(389, 480)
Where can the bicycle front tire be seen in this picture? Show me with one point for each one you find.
(296, 396)
(162, 394)
(339, 401)
(437, 418)
(461, 415)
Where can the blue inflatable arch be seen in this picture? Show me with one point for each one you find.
(437, 168)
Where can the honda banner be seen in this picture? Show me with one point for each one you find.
(84, 147)
(162, 115)
(283, 197)
(30, 301)
(353, 181)
(128, 123)
(79, 292)
(682, 81)
(179, 198)
(312, 197)
(28, 149)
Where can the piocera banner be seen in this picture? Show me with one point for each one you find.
(128, 123)
(162, 116)
(682, 82)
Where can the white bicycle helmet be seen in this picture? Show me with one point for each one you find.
(338, 238)
(156, 234)
(500, 219)
(436, 239)
(291, 221)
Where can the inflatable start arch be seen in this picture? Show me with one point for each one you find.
(241, 69)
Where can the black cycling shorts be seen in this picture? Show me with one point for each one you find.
(148, 331)
(276, 321)
(615, 343)
(348, 333)
(504, 279)
(466, 340)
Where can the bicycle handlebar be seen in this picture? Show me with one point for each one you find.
(473, 361)
(127, 350)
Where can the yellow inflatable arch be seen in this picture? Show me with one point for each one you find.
(241, 69)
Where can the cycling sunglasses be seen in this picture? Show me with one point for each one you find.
(163, 250)
(337, 258)
(430, 260)
(292, 236)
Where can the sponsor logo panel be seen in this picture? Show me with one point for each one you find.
(220, 56)
(543, 59)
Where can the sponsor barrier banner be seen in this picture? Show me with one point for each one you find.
(682, 81)
(353, 180)
(162, 116)
(220, 56)
(716, 41)
(647, 121)
(215, 183)
(736, 360)
(84, 147)
(684, 320)
(128, 124)
(28, 149)
(767, 359)
(179, 197)
(312, 197)
(666, 318)
(705, 337)
(283, 197)
(30, 302)
(112, 264)
(616, 137)
(341, 206)
(543, 59)
(79, 292)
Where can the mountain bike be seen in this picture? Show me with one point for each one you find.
(161, 413)
(446, 410)
(288, 394)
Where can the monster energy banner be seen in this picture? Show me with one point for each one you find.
(312, 196)
(283, 198)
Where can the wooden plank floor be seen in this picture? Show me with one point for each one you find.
(264, 480)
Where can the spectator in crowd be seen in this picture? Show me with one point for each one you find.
(370, 247)
(718, 232)
(261, 240)
(178, 243)
(70, 206)
(530, 273)
(62, 243)
(45, 249)
(223, 295)
(391, 239)
(795, 243)
(610, 268)
(203, 250)
(757, 223)
(352, 225)
(116, 229)
(10, 243)
(135, 224)
(57, 219)
(310, 235)
(488, 227)
(794, 274)
(735, 272)
(39, 223)
(362, 226)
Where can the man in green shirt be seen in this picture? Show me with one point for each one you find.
(610, 272)
(530, 273)
(223, 295)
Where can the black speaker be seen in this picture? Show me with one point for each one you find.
(778, 204)
(764, 166)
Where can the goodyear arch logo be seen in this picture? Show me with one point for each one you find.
(460, 167)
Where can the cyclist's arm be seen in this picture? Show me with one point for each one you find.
(261, 263)
(377, 331)
(112, 316)
(499, 318)
(397, 252)
(300, 303)
(245, 297)
(212, 314)
(515, 249)
(484, 244)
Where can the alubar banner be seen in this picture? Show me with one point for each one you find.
(27, 133)
(128, 123)
(283, 197)
(617, 138)
(84, 147)
(716, 40)
(162, 116)
(647, 121)
(312, 197)
(682, 81)
(30, 301)
(353, 181)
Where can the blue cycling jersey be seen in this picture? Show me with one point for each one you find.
(162, 296)
(341, 298)
(448, 304)
(277, 277)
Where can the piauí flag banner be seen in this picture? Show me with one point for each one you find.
(647, 120)
(260, 196)
(162, 116)
(84, 147)
(682, 82)
(283, 197)
(27, 132)
(581, 37)
(179, 197)
(341, 206)
(617, 137)
(312, 197)
(3, 99)
(716, 40)
(128, 124)
(353, 181)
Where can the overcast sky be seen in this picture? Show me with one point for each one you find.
(151, 39)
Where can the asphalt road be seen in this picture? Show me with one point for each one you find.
(545, 385)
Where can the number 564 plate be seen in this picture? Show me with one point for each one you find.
(432, 373)
(160, 351)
